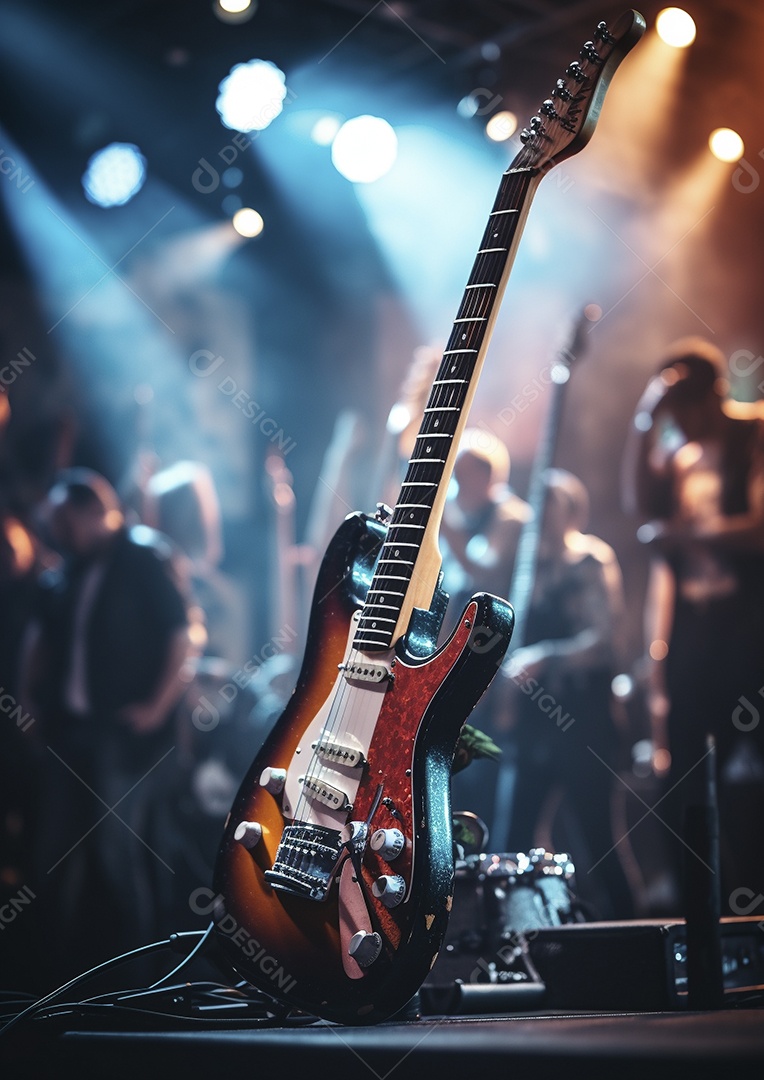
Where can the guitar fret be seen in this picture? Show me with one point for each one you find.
(396, 562)
(483, 285)
(399, 543)
(373, 641)
(495, 212)
(444, 382)
(402, 525)
(436, 434)
(413, 506)
(486, 251)
(453, 352)
(472, 318)
(376, 618)
(387, 592)
(418, 483)
(443, 408)
(427, 461)
(394, 577)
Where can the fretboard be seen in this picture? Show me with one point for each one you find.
(407, 568)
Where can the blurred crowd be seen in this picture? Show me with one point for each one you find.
(127, 719)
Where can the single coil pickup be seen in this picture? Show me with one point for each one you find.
(324, 793)
(364, 672)
(339, 753)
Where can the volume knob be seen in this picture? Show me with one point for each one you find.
(248, 834)
(273, 780)
(365, 948)
(388, 843)
(390, 889)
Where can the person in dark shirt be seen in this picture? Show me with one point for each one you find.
(104, 665)
(558, 706)
(694, 478)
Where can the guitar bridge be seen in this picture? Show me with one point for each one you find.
(305, 861)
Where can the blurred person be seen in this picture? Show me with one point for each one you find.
(104, 666)
(556, 702)
(479, 532)
(694, 476)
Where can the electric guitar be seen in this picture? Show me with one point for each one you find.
(335, 873)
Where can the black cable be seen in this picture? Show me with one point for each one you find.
(143, 950)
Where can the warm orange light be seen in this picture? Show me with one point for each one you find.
(658, 649)
(675, 27)
(501, 126)
(726, 144)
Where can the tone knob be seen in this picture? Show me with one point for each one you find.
(365, 948)
(388, 843)
(248, 833)
(389, 889)
(273, 780)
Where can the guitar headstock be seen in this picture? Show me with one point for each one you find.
(566, 120)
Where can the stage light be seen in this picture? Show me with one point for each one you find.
(234, 11)
(726, 144)
(247, 222)
(501, 126)
(251, 95)
(324, 130)
(675, 27)
(114, 175)
(364, 149)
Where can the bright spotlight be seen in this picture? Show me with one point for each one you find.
(251, 96)
(675, 27)
(726, 144)
(234, 11)
(364, 149)
(501, 126)
(114, 174)
(247, 222)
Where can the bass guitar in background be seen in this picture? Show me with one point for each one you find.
(335, 874)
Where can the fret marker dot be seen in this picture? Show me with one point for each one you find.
(428, 449)
(436, 423)
(411, 515)
(374, 626)
(397, 552)
(464, 337)
(453, 366)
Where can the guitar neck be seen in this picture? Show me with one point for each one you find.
(407, 570)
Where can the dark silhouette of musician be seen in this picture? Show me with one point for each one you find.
(103, 670)
(557, 702)
(694, 477)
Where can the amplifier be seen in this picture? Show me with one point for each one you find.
(637, 966)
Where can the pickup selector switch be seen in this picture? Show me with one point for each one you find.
(273, 780)
(390, 889)
(388, 843)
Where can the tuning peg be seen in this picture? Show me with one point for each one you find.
(603, 34)
(575, 71)
(537, 125)
(548, 108)
(527, 136)
(589, 52)
(561, 91)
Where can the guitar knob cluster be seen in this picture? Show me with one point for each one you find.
(390, 889)
(273, 780)
(388, 843)
(365, 948)
(248, 834)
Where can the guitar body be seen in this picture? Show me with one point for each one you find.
(295, 947)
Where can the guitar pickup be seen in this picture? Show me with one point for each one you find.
(322, 792)
(365, 672)
(345, 751)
